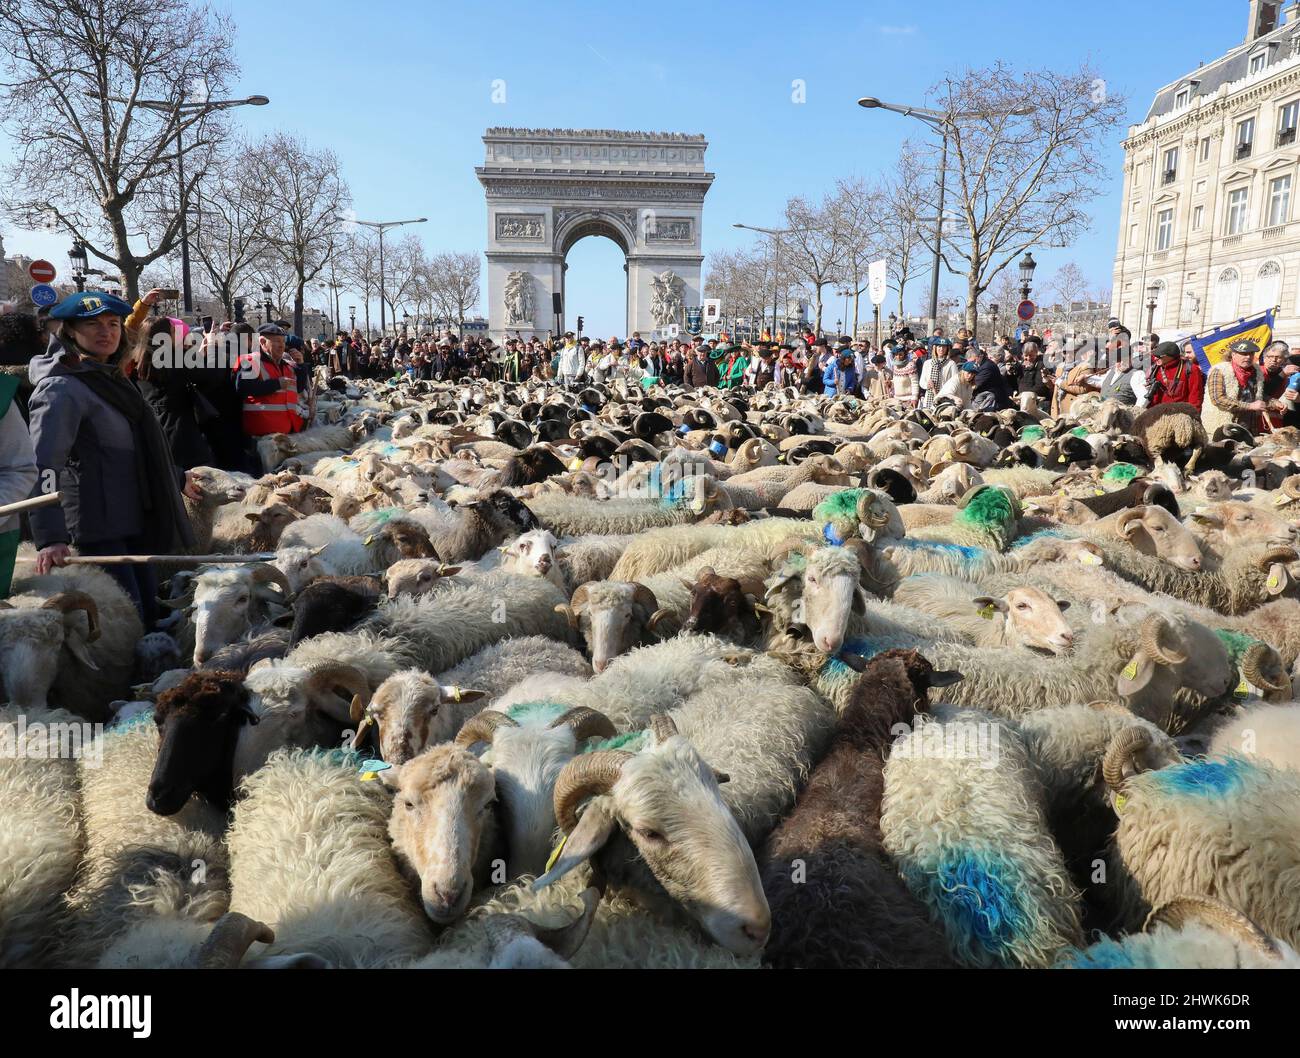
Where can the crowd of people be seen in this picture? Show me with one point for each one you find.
(90, 407)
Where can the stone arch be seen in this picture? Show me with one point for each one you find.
(548, 188)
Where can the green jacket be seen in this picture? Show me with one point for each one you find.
(728, 378)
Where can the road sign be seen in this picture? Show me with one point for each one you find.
(41, 272)
(43, 294)
(877, 281)
(1026, 309)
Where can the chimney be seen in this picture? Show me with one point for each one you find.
(1263, 18)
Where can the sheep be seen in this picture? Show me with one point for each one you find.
(1231, 523)
(1028, 617)
(418, 576)
(310, 858)
(576, 516)
(140, 870)
(665, 548)
(592, 557)
(1222, 827)
(240, 529)
(332, 606)
(274, 449)
(963, 817)
(765, 486)
(1150, 530)
(659, 793)
(949, 483)
(412, 710)
(40, 843)
(986, 516)
(611, 617)
(866, 513)
(1023, 481)
(481, 526)
(1188, 933)
(216, 489)
(903, 558)
(67, 639)
(230, 602)
(155, 653)
(1268, 732)
(344, 552)
(835, 898)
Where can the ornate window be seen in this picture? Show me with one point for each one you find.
(1268, 286)
(1226, 290)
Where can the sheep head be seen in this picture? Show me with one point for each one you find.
(666, 799)
(611, 616)
(230, 601)
(198, 723)
(1152, 530)
(1032, 618)
(408, 712)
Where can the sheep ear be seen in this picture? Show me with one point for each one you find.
(945, 677)
(391, 776)
(1207, 518)
(1135, 675)
(1278, 579)
(460, 694)
(986, 602)
(357, 709)
(1062, 604)
(586, 839)
(860, 601)
(77, 648)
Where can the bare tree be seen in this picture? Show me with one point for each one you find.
(741, 280)
(455, 282)
(1005, 294)
(305, 193)
(405, 263)
(901, 205)
(91, 157)
(232, 233)
(1069, 284)
(812, 251)
(359, 265)
(1022, 150)
(856, 210)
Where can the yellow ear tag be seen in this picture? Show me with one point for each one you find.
(1272, 580)
(1089, 559)
(986, 612)
(555, 853)
(1242, 691)
(455, 694)
(575, 463)
(369, 776)
(1061, 459)
(1120, 802)
(1130, 670)
(1099, 492)
(369, 540)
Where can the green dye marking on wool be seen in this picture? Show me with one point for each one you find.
(839, 505)
(1122, 473)
(988, 509)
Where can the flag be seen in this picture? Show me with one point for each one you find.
(1211, 348)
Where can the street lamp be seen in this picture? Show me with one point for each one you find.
(266, 302)
(77, 257)
(1027, 266)
(178, 108)
(993, 311)
(352, 314)
(1153, 301)
(941, 122)
(382, 226)
(776, 257)
(406, 322)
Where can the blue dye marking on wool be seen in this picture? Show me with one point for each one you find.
(536, 714)
(1042, 534)
(139, 720)
(1204, 778)
(1104, 955)
(830, 535)
(979, 891)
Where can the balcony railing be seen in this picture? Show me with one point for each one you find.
(1232, 240)
(1170, 176)
(1286, 136)
(1275, 232)
(1244, 149)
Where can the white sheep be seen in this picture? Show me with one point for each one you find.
(1020, 617)
(1267, 732)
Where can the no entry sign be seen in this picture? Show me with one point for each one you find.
(1026, 309)
(41, 272)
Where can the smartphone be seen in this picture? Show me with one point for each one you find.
(171, 294)
(207, 324)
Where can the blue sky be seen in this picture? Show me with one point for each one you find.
(402, 92)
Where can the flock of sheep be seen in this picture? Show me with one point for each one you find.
(533, 678)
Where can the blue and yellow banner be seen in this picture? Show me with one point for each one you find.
(1213, 347)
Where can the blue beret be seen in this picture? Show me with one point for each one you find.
(87, 304)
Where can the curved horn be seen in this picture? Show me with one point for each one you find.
(482, 726)
(790, 545)
(1182, 910)
(588, 775)
(970, 494)
(1273, 554)
(1123, 750)
(579, 598)
(337, 674)
(1252, 668)
(265, 573)
(865, 508)
(1122, 522)
(586, 723)
(66, 601)
(663, 726)
(1290, 487)
(645, 598)
(231, 937)
(1152, 629)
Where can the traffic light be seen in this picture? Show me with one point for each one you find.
(579, 324)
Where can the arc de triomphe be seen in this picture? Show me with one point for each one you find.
(548, 188)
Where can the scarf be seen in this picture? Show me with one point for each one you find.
(166, 525)
(908, 369)
(1245, 379)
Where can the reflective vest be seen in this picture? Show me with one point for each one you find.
(271, 412)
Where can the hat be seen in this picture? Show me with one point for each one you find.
(293, 342)
(819, 341)
(89, 304)
(1168, 349)
(941, 341)
(969, 365)
(271, 330)
(1244, 345)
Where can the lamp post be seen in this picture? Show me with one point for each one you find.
(1027, 266)
(942, 123)
(178, 108)
(406, 322)
(845, 294)
(1153, 302)
(266, 302)
(893, 324)
(993, 312)
(776, 258)
(352, 315)
(382, 226)
(77, 258)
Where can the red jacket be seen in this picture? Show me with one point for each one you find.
(274, 412)
(1183, 384)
